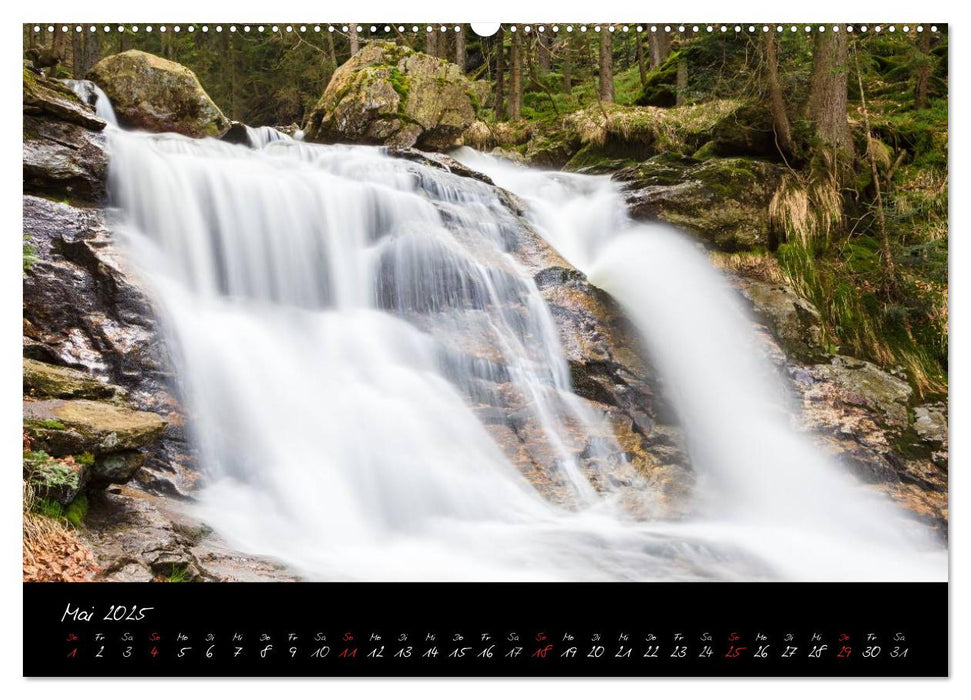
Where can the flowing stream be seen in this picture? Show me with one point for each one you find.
(351, 334)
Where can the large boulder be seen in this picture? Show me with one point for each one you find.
(391, 95)
(154, 94)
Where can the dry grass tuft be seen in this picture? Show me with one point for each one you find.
(478, 136)
(806, 211)
(880, 151)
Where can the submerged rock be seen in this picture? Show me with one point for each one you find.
(389, 94)
(151, 93)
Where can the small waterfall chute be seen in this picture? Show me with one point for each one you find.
(93, 95)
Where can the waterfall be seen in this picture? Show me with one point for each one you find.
(264, 135)
(757, 473)
(93, 95)
(353, 338)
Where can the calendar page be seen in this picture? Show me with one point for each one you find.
(548, 349)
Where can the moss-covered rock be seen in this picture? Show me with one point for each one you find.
(551, 146)
(68, 427)
(42, 380)
(389, 94)
(724, 201)
(151, 93)
(748, 133)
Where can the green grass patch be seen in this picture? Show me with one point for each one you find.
(179, 574)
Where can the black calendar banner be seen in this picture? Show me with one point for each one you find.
(643, 323)
(412, 629)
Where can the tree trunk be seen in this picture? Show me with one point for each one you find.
(460, 49)
(353, 39)
(606, 65)
(59, 44)
(431, 41)
(660, 49)
(331, 50)
(230, 60)
(500, 104)
(544, 52)
(886, 255)
(923, 70)
(568, 64)
(641, 65)
(780, 120)
(445, 47)
(77, 55)
(681, 86)
(516, 75)
(92, 49)
(826, 108)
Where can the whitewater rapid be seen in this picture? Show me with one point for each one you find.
(317, 300)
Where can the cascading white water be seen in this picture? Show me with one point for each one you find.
(345, 325)
(93, 95)
(261, 136)
(758, 474)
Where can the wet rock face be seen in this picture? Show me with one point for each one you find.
(89, 331)
(610, 370)
(151, 93)
(84, 312)
(636, 441)
(82, 309)
(63, 147)
(391, 95)
(860, 415)
(722, 201)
